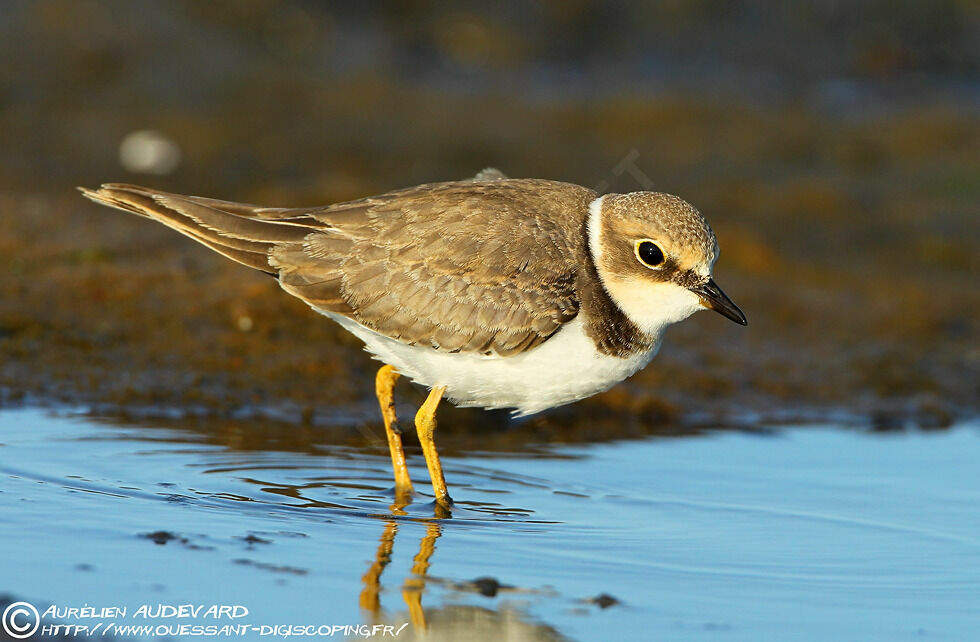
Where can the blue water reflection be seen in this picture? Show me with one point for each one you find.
(829, 533)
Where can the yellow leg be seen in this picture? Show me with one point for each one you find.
(425, 425)
(384, 384)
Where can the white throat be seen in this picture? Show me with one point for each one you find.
(651, 306)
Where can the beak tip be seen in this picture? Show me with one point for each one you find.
(735, 315)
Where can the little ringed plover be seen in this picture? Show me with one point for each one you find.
(491, 292)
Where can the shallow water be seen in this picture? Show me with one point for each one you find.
(824, 532)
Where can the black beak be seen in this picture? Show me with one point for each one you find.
(712, 297)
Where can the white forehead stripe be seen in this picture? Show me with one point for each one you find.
(594, 228)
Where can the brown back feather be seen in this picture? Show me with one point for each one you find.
(485, 266)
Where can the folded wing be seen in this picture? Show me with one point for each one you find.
(485, 266)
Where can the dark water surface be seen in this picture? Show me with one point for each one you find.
(819, 532)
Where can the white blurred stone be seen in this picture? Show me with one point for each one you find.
(146, 151)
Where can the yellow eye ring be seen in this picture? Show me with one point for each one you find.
(649, 254)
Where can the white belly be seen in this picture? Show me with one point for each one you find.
(563, 369)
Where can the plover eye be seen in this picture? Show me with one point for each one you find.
(649, 254)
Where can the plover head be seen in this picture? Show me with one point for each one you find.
(654, 253)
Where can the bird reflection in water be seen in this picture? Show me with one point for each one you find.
(447, 622)
(414, 584)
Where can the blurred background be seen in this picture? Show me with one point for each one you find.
(832, 146)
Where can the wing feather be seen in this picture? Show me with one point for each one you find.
(486, 265)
